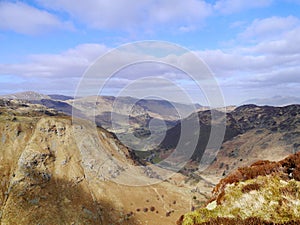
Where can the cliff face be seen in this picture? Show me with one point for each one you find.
(56, 171)
(42, 179)
(263, 193)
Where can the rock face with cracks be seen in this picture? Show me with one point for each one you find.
(54, 171)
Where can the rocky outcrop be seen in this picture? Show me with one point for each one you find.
(55, 170)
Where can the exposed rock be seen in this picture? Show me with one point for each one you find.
(55, 171)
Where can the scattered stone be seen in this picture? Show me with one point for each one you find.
(34, 201)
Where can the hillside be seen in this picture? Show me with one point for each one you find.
(265, 132)
(58, 171)
(252, 133)
(47, 157)
(263, 193)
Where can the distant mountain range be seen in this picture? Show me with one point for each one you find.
(122, 110)
(156, 108)
(155, 105)
(274, 101)
(31, 95)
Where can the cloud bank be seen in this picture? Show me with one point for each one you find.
(262, 55)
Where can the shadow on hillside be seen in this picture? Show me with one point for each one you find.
(58, 202)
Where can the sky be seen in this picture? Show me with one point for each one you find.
(252, 48)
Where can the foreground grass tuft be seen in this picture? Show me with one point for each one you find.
(264, 200)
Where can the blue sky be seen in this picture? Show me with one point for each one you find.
(252, 47)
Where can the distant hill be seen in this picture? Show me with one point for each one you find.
(31, 95)
(155, 108)
(105, 109)
(167, 109)
(102, 107)
(27, 95)
(60, 97)
(252, 133)
(55, 104)
(138, 112)
(274, 101)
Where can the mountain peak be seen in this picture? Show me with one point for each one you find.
(26, 95)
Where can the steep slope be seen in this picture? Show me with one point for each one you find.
(252, 133)
(263, 193)
(55, 104)
(173, 135)
(268, 133)
(58, 171)
(42, 176)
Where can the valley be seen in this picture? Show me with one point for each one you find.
(75, 170)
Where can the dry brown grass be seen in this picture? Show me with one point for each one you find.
(276, 196)
(238, 221)
(287, 168)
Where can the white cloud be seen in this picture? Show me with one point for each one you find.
(234, 6)
(55, 72)
(51, 73)
(70, 63)
(25, 19)
(229, 63)
(270, 28)
(73, 62)
(267, 62)
(234, 63)
(287, 45)
(133, 14)
(264, 64)
(274, 42)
